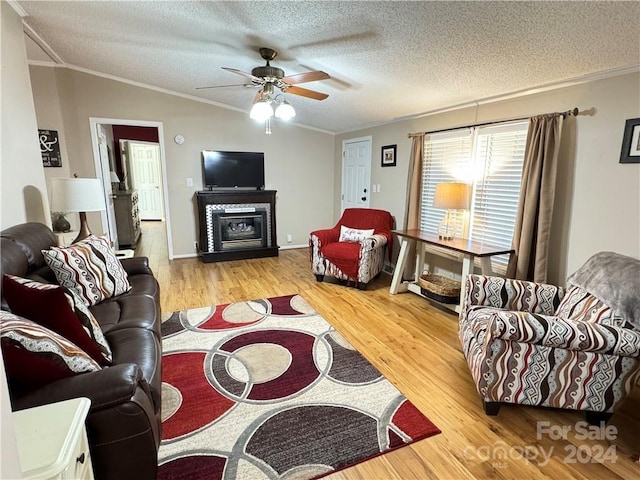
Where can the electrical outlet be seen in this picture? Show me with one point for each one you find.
(189, 182)
(289, 238)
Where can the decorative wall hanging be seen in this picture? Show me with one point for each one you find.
(49, 148)
(630, 152)
(389, 156)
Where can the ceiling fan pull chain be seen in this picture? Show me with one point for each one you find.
(267, 128)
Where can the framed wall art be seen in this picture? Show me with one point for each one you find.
(630, 152)
(389, 156)
(49, 148)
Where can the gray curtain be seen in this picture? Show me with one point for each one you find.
(535, 209)
(414, 194)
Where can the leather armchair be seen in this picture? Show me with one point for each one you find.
(350, 261)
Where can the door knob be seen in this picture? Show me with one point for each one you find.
(363, 199)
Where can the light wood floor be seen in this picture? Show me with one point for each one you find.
(415, 345)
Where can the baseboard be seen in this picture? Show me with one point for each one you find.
(291, 247)
(184, 255)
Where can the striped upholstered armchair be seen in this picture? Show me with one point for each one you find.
(535, 344)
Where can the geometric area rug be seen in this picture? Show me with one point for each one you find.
(267, 389)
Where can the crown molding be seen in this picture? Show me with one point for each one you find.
(591, 77)
(18, 8)
(33, 35)
(161, 90)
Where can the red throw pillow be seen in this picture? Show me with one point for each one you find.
(34, 355)
(57, 309)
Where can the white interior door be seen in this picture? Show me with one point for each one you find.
(144, 161)
(356, 172)
(106, 183)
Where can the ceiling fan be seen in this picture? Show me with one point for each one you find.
(269, 77)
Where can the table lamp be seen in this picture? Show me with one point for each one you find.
(453, 197)
(78, 195)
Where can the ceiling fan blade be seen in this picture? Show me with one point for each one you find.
(244, 74)
(232, 85)
(306, 77)
(304, 92)
(258, 96)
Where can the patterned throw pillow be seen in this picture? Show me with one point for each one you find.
(353, 234)
(89, 268)
(58, 309)
(578, 304)
(34, 355)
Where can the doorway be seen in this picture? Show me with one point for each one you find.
(162, 195)
(144, 166)
(356, 172)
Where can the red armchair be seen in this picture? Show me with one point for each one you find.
(352, 261)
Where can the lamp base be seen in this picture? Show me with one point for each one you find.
(446, 229)
(84, 228)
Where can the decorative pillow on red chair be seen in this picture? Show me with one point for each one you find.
(58, 309)
(34, 355)
(348, 234)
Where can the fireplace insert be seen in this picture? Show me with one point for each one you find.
(235, 231)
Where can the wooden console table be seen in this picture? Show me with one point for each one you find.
(467, 249)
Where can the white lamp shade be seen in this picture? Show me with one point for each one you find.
(77, 195)
(454, 196)
(285, 111)
(261, 111)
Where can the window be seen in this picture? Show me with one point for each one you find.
(490, 159)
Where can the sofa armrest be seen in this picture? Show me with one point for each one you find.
(511, 294)
(105, 388)
(136, 266)
(122, 428)
(564, 333)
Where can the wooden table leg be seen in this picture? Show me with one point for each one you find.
(467, 269)
(485, 265)
(403, 257)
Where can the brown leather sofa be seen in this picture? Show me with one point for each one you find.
(124, 423)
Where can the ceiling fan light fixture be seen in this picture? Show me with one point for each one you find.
(285, 111)
(261, 110)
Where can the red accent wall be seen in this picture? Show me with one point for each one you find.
(124, 132)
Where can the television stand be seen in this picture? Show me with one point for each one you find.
(236, 224)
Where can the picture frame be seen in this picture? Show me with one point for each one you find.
(630, 152)
(49, 148)
(388, 156)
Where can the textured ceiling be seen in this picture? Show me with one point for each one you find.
(387, 60)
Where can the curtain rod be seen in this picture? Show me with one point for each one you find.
(569, 113)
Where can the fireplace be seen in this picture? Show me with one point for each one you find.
(234, 231)
(236, 225)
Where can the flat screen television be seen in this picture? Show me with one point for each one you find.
(233, 169)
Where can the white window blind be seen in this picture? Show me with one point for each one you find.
(490, 158)
(446, 155)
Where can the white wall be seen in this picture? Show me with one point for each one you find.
(597, 199)
(22, 181)
(299, 162)
(23, 193)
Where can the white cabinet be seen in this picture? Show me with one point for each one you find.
(52, 441)
(64, 239)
